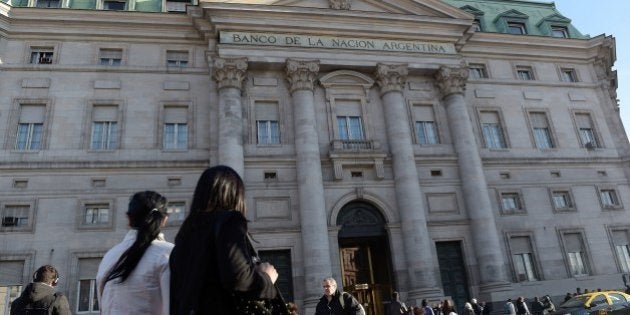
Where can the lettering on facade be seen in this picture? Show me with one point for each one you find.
(292, 40)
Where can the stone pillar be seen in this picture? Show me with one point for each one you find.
(229, 74)
(487, 246)
(421, 261)
(315, 246)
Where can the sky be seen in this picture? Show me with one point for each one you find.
(606, 17)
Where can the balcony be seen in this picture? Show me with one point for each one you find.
(356, 153)
(353, 146)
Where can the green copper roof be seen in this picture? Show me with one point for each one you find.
(538, 17)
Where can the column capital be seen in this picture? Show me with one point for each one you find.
(452, 80)
(391, 77)
(301, 74)
(230, 72)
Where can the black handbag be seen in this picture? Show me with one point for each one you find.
(246, 305)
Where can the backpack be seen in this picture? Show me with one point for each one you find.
(20, 308)
(345, 296)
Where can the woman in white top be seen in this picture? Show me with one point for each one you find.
(134, 277)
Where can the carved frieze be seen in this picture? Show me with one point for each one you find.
(301, 74)
(452, 80)
(230, 72)
(340, 4)
(391, 77)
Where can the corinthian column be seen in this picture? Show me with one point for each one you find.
(317, 262)
(229, 74)
(492, 269)
(420, 263)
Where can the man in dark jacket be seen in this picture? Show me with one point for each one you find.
(335, 302)
(39, 297)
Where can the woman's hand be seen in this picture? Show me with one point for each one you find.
(270, 270)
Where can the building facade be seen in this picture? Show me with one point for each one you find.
(452, 148)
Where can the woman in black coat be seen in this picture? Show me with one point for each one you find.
(212, 257)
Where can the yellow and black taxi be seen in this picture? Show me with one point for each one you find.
(596, 303)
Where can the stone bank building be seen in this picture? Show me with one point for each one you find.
(455, 148)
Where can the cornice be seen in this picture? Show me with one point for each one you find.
(22, 22)
(496, 45)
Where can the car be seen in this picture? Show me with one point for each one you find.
(596, 303)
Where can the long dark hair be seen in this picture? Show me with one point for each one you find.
(219, 188)
(147, 210)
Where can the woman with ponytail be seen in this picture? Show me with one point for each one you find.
(134, 277)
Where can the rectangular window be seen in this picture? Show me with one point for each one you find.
(525, 73)
(177, 58)
(350, 127)
(586, 131)
(30, 128)
(576, 255)
(559, 31)
(175, 128)
(576, 263)
(110, 57)
(11, 272)
(425, 125)
(511, 203)
(562, 200)
(477, 71)
(48, 3)
(86, 287)
(568, 75)
(267, 123)
(96, 214)
(622, 248)
(522, 255)
(268, 132)
(15, 216)
(114, 5)
(42, 55)
(426, 132)
(176, 212)
(477, 25)
(541, 131)
(516, 28)
(104, 128)
(492, 130)
(609, 198)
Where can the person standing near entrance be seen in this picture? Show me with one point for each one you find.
(396, 307)
(335, 302)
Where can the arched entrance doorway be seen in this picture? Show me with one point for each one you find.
(365, 255)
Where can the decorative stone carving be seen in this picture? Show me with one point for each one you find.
(340, 4)
(391, 77)
(230, 72)
(452, 80)
(301, 74)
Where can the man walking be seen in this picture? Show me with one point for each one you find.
(335, 302)
(39, 297)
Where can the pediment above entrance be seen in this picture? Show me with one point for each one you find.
(433, 8)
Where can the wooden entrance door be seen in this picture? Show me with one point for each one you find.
(365, 270)
(365, 256)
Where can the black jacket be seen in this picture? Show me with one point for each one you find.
(351, 305)
(41, 299)
(205, 271)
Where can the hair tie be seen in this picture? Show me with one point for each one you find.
(154, 209)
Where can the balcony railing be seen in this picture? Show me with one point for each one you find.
(339, 145)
